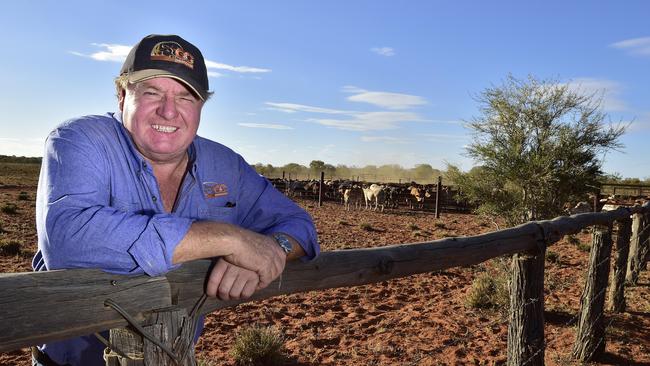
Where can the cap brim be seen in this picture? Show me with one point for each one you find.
(147, 74)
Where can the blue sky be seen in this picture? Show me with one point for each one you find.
(346, 82)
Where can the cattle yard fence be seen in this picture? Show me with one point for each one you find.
(152, 318)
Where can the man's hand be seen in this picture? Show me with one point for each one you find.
(231, 282)
(243, 248)
(258, 253)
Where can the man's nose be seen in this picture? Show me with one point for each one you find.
(167, 109)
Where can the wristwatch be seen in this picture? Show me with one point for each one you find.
(283, 242)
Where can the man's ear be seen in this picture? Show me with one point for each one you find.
(120, 99)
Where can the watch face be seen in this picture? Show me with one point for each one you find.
(284, 242)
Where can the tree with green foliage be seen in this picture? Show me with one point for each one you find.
(539, 144)
(317, 166)
(294, 169)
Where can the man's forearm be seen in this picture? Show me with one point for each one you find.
(206, 239)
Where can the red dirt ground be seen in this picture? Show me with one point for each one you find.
(417, 320)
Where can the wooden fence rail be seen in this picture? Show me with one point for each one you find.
(47, 306)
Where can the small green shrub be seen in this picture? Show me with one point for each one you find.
(366, 226)
(204, 362)
(552, 257)
(488, 291)
(23, 196)
(572, 239)
(440, 225)
(412, 227)
(10, 247)
(257, 346)
(9, 208)
(343, 222)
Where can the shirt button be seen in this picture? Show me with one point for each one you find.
(144, 165)
(154, 198)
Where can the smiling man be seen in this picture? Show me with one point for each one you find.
(138, 192)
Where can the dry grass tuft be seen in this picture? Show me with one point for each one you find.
(258, 345)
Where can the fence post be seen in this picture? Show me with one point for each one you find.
(438, 189)
(526, 323)
(590, 335)
(320, 189)
(639, 231)
(616, 291)
(172, 327)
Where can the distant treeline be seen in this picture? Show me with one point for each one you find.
(421, 173)
(20, 159)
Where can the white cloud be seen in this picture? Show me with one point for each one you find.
(438, 137)
(608, 89)
(369, 121)
(118, 53)
(384, 99)
(110, 52)
(266, 125)
(386, 139)
(241, 69)
(21, 146)
(383, 51)
(293, 108)
(635, 46)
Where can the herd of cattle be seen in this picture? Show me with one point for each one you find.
(375, 196)
(357, 195)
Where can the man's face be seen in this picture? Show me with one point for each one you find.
(162, 116)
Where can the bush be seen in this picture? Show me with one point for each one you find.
(258, 345)
(489, 291)
(23, 196)
(573, 240)
(9, 208)
(439, 225)
(366, 226)
(10, 247)
(412, 227)
(552, 257)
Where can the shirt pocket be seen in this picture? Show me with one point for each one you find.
(220, 213)
(125, 206)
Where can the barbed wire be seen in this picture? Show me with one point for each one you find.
(546, 344)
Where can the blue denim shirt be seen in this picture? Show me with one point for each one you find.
(99, 206)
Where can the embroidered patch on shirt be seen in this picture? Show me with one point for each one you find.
(213, 190)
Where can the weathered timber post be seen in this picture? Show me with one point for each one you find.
(320, 189)
(635, 260)
(172, 327)
(438, 189)
(526, 323)
(590, 335)
(645, 242)
(617, 289)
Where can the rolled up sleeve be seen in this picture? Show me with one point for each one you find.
(269, 211)
(78, 227)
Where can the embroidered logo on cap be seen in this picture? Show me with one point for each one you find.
(172, 52)
(212, 189)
